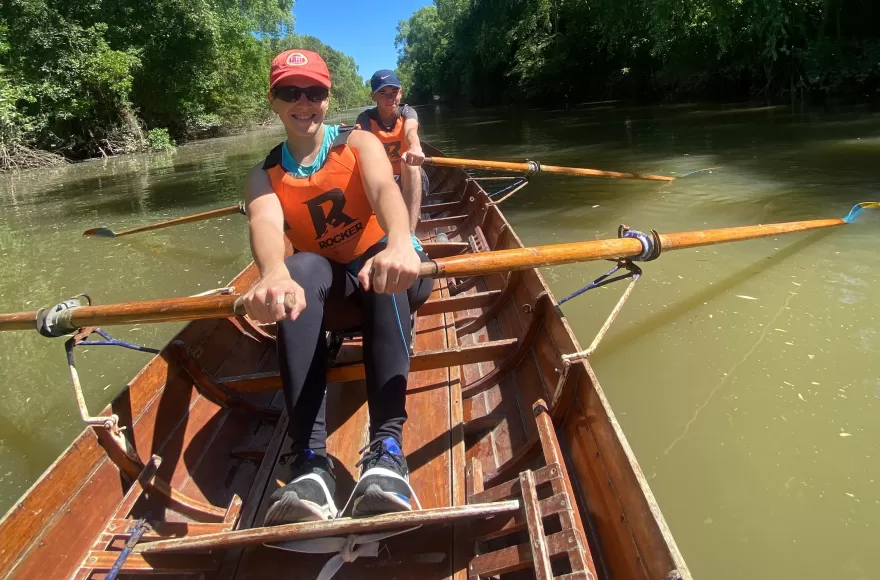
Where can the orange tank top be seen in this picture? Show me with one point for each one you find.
(392, 140)
(327, 213)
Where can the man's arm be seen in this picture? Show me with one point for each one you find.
(410, 170)
(264, 300)
(396, 267)
(413, 154)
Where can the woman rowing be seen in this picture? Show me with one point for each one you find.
(355, 263)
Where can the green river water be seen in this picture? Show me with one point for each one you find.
(746, 376)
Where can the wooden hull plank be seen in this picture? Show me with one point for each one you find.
(61, 549)
(427, 440)
(504, 397)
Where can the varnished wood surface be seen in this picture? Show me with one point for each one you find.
(526, 168)
(161, 310)
(567, 253)
(223, 211)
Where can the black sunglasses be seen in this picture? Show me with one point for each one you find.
(291, 94)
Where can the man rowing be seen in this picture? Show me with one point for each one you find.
(397, 127)
(355, 263)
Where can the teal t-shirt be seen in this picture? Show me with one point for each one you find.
(331, 132)
(290, 165)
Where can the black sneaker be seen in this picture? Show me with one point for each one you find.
(309, 495)
(384, 482)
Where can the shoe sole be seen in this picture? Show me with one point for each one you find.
(291, 509)
(377, 501)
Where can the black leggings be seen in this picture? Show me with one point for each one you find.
(335, 301)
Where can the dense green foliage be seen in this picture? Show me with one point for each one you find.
(96, 77)
(491, 51)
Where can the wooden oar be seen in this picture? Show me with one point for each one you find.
(161, 310)
(103, 232)
(535, 167)
(557, 254)
(461, 265)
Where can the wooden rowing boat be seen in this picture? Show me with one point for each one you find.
(519, 464)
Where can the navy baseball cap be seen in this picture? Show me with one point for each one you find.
(384, 78)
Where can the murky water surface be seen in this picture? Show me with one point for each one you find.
(746, 376)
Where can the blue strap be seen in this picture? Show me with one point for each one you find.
(110, 341)
(504, 190)
(601, 281)
(135, 533)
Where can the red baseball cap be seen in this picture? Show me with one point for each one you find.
(299, 64)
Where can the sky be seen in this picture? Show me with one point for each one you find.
(362, 29)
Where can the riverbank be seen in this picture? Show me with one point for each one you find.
(25, 159)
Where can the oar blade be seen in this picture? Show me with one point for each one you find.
(858, 209)
(101, 232)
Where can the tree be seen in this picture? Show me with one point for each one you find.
(496, 51)
(88, 77)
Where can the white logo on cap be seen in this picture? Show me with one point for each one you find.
(297, 59)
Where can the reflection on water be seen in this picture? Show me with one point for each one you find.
(746, 376)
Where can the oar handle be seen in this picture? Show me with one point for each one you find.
(535, 167)
(62, 320)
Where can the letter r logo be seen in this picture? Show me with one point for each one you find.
(334, 217)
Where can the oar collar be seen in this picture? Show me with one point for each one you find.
(651, 246)
(55, 321)
(534, 167)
